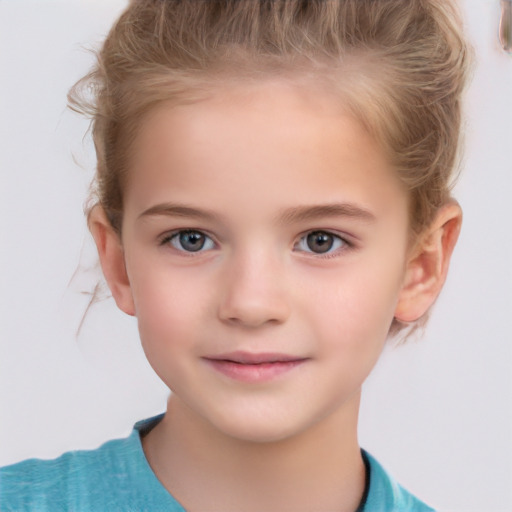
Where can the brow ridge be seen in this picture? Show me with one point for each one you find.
(287, 216)
(178, 210)
(305, 213)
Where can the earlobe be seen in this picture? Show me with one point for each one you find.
(428, 264)
(111, 255)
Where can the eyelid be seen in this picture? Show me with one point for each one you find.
(347, 243)
(165, 239)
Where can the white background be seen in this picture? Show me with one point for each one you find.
(437, 412)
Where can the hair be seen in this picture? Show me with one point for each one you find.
(400, 67)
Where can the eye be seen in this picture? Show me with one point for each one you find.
(320, 242)
(189, 241)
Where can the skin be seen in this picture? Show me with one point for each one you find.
(256, 171)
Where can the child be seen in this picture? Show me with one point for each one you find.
(273, 189)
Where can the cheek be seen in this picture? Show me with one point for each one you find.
(352, 331)
(168, 319)
(354, 309)
(170, 307)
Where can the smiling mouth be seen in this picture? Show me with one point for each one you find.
(247, 367)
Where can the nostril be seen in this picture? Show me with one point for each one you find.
(245, 312)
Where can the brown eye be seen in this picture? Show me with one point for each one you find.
(320, 241)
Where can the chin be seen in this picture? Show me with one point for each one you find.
(260, 435)
(259, 430)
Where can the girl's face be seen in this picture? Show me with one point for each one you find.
(265, 243)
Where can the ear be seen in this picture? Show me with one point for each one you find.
(428, 264)
(111, 255)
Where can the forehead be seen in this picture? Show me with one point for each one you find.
(277, 139)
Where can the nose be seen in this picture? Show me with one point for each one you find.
(254, 292)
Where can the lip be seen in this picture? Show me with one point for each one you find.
(250, 367)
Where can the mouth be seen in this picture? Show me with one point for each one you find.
(249, 367)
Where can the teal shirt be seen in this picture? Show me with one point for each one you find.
(117, 477)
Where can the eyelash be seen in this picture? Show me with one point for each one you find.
(169, 238)
(341, 243)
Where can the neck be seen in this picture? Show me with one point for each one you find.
(320, 469)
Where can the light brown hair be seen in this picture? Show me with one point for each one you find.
(399, 65)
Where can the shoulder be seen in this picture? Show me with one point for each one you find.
(64, 483)
(386, 495)
(115, 476)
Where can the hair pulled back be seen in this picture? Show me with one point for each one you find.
(400, 65)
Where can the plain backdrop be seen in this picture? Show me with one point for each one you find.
(437, 412)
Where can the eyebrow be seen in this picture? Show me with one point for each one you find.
(178, 210)
(305, 213)
(287, 216)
